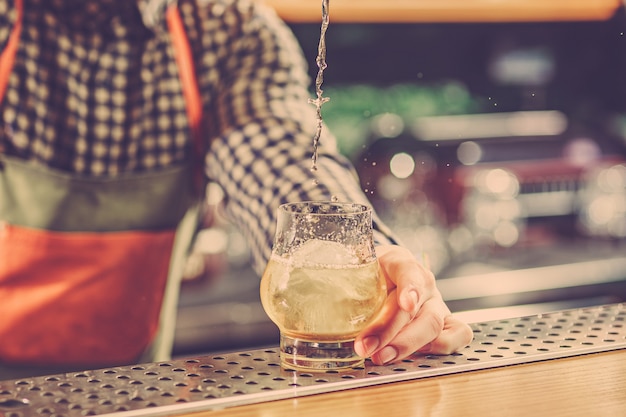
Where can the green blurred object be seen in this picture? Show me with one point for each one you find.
(351, 107)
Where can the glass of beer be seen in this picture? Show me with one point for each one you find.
(322, 284)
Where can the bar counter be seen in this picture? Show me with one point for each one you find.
(563, 363)
(589, 385)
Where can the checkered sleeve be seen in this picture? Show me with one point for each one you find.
(7, 19)
(261, 155)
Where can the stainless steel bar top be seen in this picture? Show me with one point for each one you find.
(238, 378)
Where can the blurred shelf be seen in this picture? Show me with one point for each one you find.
(405, 11)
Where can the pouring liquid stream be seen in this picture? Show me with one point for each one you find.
(319, 100)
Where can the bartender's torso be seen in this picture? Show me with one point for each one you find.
(94, 178)
(94, 91)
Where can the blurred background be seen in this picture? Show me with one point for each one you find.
(489, 135)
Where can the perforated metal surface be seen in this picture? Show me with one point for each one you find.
(212, 382)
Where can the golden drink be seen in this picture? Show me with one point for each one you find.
(322, 302)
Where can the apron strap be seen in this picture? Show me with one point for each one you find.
(8, 55)
(191, 91)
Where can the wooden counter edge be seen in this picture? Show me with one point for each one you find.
(411, 11)
(586, 385)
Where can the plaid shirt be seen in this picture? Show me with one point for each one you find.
(95, 92)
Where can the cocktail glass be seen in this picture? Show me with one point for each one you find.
(322, 284)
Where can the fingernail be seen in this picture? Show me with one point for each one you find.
(414, 298)
(387, 354)
(370, 343)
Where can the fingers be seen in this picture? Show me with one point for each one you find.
(455, 335)
(414, 282)
(385, 326)
(414, 317)
(405, 335)
(430, 332)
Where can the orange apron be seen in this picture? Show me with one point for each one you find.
(82, 286)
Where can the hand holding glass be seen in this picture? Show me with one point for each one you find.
(322, 284)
